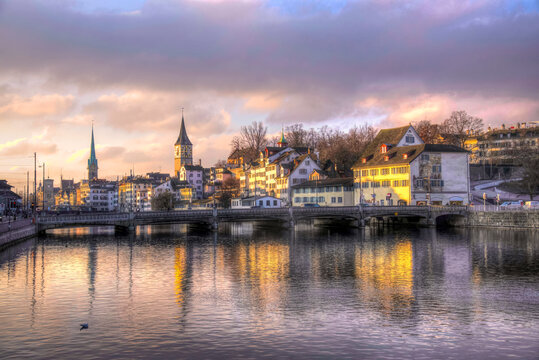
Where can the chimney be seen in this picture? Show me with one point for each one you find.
(518, 125)
(489, 128)
(200, 162)
(503, 126)
(524, 125)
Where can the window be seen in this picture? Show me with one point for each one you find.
(333, 200)
(365, 185)
(404, 183)
(395, 183)
(274, 202)
(305, 199)
(364, 172)
(313, 190)
(425, 157)
(268, 202)
(313, 199)
(261, 203)
(298, 199)
(385, 171)
(340, 199)
(303, 171)
(386, 183)
(375, 184)
(321, 199)
(436, 168)
(374, 172)
(306, 162)
(410, 139)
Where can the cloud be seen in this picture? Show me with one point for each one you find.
(384, 62)
(13, 106)
(155, 111)
(25, 146)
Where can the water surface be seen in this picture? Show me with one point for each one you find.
(250, 292)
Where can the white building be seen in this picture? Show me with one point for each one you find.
(100, 195)
(398, 168)
(266, 202)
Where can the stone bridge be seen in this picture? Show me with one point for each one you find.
(289, 216)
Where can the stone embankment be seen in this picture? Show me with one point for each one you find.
(508, 219)
(11, 237)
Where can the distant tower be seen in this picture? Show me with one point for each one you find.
(282, 142)
(92, 161)
(183, 150)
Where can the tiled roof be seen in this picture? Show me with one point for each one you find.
(385, 136)
(326, 182)
(396, 154)
(193, 167)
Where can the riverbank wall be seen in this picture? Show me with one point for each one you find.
(12, 237)
(506, 219)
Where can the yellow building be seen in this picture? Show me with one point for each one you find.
(398, 168)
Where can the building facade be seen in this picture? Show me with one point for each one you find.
(398, 168)
(324, 192)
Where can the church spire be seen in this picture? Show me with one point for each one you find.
(282, 142)
(92, 161)
(183, 139)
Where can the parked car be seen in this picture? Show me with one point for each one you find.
(311, 205)
(508, 205)
(531, 205)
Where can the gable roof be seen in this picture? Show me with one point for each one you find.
(396, 154)
(385, 136)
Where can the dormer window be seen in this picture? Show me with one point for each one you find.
(383, 148)
(405, 156)
(410, 139)
(364, 160)
(386, 158)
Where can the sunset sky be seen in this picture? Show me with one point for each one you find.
(130, 65)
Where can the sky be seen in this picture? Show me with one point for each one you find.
(129, 67)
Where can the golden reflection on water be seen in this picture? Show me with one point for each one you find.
(384, 274)
(263, 269)
(180, 265)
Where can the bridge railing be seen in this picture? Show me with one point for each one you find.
(82, 218)
(173, 213)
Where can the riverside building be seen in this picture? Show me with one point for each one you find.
(398, 168)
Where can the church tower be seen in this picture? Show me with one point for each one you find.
(282, 142)
(183, 150)
(92, 161)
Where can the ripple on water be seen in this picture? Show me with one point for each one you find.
(261, 294)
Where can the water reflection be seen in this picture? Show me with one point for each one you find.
(274, 292)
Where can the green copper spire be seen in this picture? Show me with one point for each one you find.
(92, 161)
(283, 141)
(92, 147)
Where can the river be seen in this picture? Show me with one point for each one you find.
(251, 291)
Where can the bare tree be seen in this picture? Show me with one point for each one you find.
(428, 132)
(236, 143)
(459, 125)
(253, 138)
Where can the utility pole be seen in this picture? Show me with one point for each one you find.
(27, 189)
(35, 183)
(43, 189)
